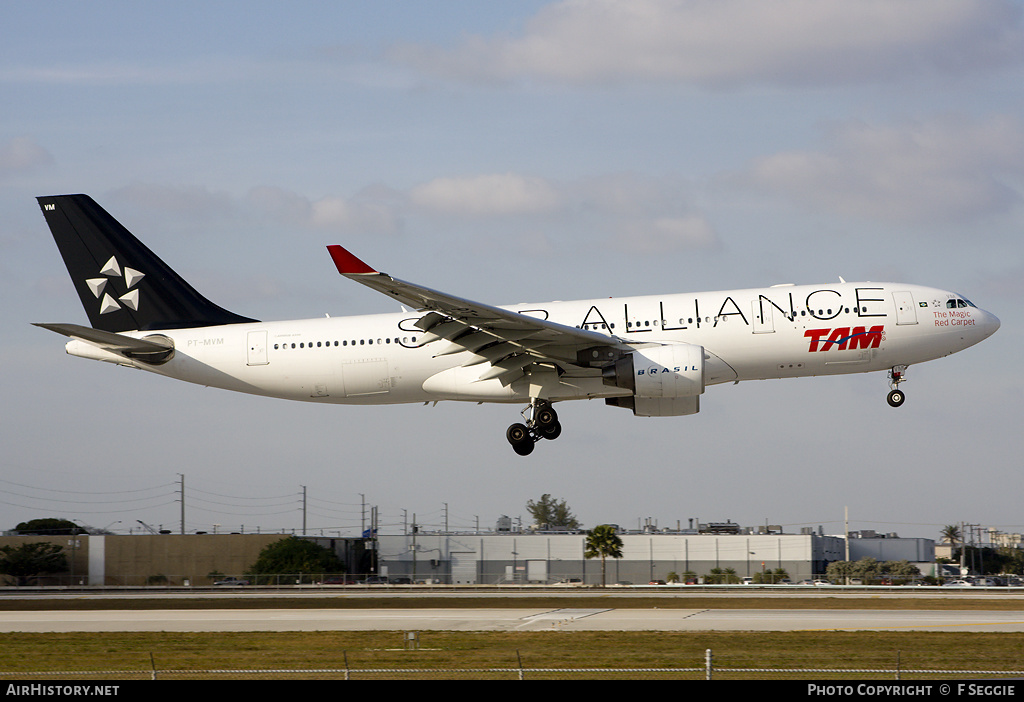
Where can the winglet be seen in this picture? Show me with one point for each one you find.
(347, 263)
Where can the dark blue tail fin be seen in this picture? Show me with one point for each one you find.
(123, 285)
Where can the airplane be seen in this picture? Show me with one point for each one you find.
(653, 355)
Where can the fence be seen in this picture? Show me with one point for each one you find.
(708, 670)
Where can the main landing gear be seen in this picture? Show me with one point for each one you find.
(896, 376)
(541, 423)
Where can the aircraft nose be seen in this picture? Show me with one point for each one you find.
(989, 323)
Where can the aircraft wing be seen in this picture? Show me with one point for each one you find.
(506, 339)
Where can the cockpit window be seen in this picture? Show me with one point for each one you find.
(954, 303)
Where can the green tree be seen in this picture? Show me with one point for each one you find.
(549, 513)
(722, 576)
(900, 569)
(295, 556)
(770, 577)
(28, 561)
(871, 569)
(603, 542)
(50, 526)
(992, 561)
(951, 534)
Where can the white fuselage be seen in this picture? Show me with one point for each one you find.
(779, 332)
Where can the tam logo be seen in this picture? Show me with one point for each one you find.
(845, 338)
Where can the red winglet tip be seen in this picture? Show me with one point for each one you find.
(347, 263)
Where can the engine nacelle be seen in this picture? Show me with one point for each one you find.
(665, 380)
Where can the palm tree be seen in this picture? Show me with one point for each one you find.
(603, 542)
(951, 534)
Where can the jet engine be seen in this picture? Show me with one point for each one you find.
(666, 381)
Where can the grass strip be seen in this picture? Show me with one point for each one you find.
(441, 651)
(538, 602)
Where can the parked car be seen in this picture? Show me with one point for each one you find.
(338, 580)
(569, 581)
(232, 582)
(376, 580)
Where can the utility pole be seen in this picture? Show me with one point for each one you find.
(846, 532)
(303, 510)
(182, 477)
(373, 540)
(963, 546)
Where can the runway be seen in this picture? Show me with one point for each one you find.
(510, 619)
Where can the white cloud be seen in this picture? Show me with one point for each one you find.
(360, 213)
(723, 42)
(930, 172)
(23, 155)
(631, 213)
(487, 195)
(667, 234)
(192, 201)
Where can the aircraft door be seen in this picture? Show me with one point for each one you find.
(764, 319)
(906, 313)
(256, 349)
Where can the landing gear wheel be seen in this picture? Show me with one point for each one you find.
(896, 398)
(524, 449)
(545, 416)
(897, 375)
(551, 431)
(541, 422)
(521, 439)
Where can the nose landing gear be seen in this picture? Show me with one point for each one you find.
(541, 422)
(896, 376)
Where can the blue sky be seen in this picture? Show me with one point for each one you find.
(513, 152)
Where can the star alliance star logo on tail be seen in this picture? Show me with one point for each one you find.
(113, 271)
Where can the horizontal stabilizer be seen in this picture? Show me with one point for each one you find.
(152, 349)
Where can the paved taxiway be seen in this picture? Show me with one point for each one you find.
(510, 619)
